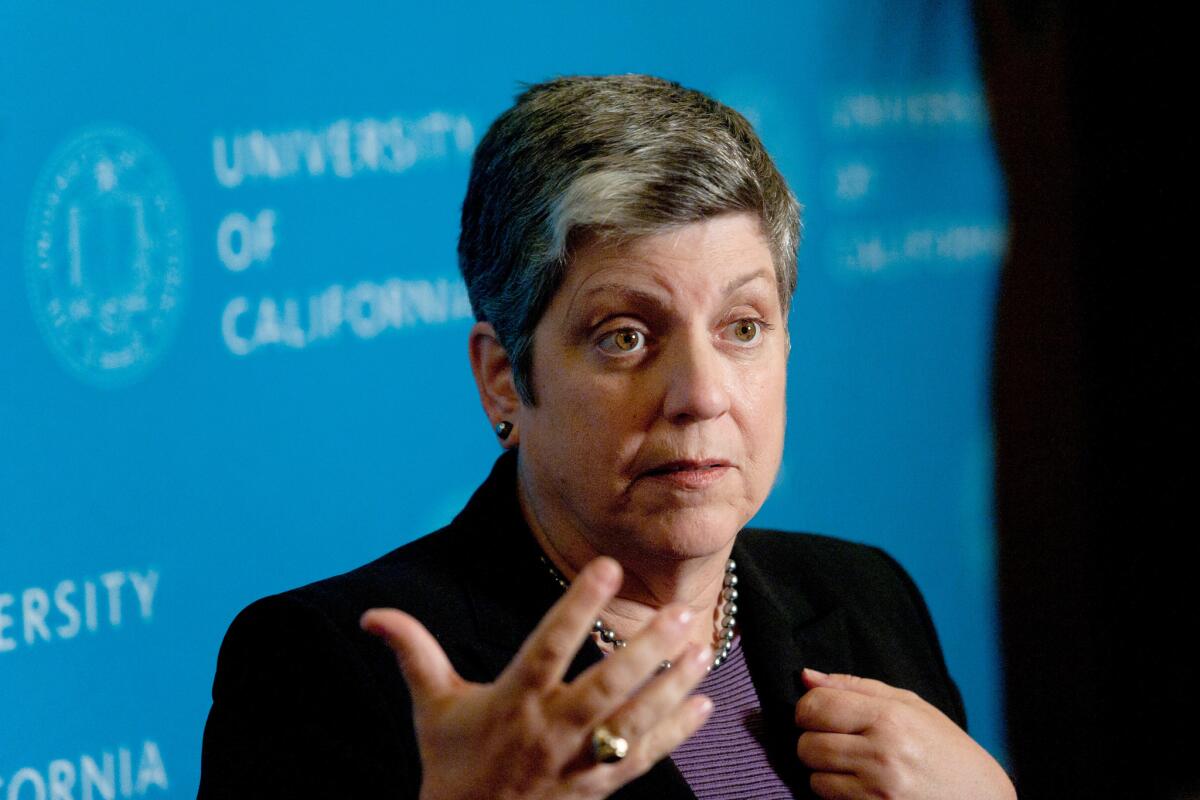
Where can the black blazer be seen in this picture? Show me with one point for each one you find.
(307, 705)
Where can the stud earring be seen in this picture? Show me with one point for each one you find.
(503, 429)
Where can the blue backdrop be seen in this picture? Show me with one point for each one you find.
(233, 336)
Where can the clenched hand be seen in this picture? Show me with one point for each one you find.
(865, 739)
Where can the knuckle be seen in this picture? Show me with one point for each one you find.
(908, 754)
(571, 709)
(885, 762)
(890, 716)
(576, 715)
(880, 791)
(629, 723)
(540, 662)
(812, 704)
(537, 752)
(894, 778)
(530, 726)
(607, 684)
(591, 581)
(598, 694)
(823, 694)
(809, 747)
(894, 785)
(528, 712)
(821, 783)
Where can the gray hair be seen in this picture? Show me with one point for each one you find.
(619, 156)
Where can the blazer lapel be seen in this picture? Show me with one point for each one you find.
(782, 632)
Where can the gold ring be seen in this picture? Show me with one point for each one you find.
(607, 747)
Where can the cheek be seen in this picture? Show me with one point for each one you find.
(763, 414)
(764, 381)
(586, 419)
(621, 399)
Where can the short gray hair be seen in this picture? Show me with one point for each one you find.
(616, 156)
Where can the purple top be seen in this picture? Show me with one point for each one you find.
(726, 759)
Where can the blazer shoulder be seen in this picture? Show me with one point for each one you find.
(880, 600)
(304, 706)
(834, 572)
(428, 574)
(279, 647)
(790, 553)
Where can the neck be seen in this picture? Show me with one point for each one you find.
(651, 581)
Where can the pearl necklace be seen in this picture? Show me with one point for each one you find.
(724, 628)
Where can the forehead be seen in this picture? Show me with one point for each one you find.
(705, 259)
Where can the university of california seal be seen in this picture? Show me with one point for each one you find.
(105, 258)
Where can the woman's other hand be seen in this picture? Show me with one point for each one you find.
(865, 739)
(528, 735)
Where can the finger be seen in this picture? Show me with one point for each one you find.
(663, 693)
(546, 654)
(426, 668)
(853, 683)
(837, 786)
(833, 752)
(671, 730)
(836, 710)
(598, 692)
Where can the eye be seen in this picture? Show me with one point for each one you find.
(746, 331)
(625, 340)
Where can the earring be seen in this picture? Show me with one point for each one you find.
(503, 429)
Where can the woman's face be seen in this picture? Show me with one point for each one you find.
(659, 370)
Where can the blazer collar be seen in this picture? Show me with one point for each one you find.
(509, 588)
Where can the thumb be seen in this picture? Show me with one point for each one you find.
(853, 683)
(426, 668)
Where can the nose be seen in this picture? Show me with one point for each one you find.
(697, 380)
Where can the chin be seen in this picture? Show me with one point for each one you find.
(688, 533)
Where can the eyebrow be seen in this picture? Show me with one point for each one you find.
(635, 295)
(738, 283)
(627, 294)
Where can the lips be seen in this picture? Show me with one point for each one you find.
(687, 473)
(686, 465)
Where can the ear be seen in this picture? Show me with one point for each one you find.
(494, 379)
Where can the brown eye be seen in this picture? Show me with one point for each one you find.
(627, 340)
(745, 330)
(623, 342)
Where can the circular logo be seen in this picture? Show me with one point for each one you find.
(105, 258)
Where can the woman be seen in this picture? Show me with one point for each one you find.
(629, 250)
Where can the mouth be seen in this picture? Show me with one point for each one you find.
(688, 473)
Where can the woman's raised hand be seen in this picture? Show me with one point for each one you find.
(865, 739)
(528, 735)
